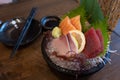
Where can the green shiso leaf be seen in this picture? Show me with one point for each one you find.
(90, 11)
(93, 10)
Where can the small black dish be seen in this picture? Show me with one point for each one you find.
(63, 72)
(10, 31)
(49, 22)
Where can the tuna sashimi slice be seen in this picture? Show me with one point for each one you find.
(99, 33)
(93, 44)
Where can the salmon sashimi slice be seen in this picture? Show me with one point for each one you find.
(66, 25)
(68, 28)
(63, 22)
(76, 22)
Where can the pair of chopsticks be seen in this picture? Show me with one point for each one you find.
(24, 31)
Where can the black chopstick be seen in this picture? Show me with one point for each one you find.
(24, 30)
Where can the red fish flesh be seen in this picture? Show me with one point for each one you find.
(94, 43)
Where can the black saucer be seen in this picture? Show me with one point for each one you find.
(10, 36)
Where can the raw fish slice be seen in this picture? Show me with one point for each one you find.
(73, 47)
(99, 33)
(76, 22)
(61, 46)
(66, 26)
(64, 46)
(63, 22)
(93, 44)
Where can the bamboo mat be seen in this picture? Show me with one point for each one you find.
(111, 9)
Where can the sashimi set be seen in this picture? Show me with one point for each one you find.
(68, 48)
(79, 44)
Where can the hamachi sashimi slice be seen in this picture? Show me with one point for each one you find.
(63, 46)
(73, 47)
(60, 45)
(76, 22)
(93, 44)
(66, 25)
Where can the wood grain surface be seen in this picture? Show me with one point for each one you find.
(29, 64)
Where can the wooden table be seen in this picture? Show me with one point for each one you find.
(29, 64)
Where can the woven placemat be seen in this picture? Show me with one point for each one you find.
(111, 9)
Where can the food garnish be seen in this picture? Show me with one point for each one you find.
(56, 32)
(78, 39)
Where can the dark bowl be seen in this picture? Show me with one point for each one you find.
(66, 72)
(49, 22)
(10, 31)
